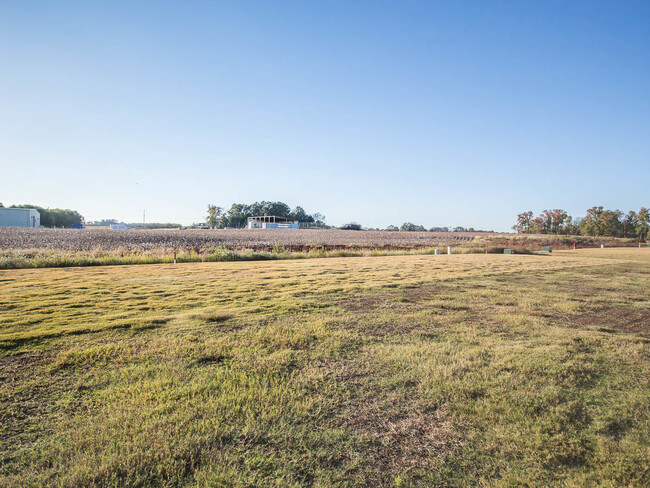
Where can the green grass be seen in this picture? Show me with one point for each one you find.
(412, 370)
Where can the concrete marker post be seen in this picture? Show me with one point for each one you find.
(448, 249)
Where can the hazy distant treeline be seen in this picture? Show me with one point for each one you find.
(598, 222)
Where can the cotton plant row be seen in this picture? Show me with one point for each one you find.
(205, 240)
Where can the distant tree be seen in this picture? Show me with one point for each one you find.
(411, 227)
(523, 225)
(214, 216)
(278, 209)
(573, 226)
(629, 223)
(237, 215)
(300, 215)
(601, 222)
(351, 226)
(106, 222)
(319, 219)
(598, 222)
(439, 229)
(460, 229)
(392, 228)
(553, 221)
(643, 224)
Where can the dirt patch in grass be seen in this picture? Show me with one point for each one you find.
(402, 441)
(404, 298)
(617, 319)
(10, 366)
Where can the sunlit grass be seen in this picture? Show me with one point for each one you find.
(415, 370)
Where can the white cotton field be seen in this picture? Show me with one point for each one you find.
(89, 239)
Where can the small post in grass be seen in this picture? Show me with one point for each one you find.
(448, 249)
(174, 256)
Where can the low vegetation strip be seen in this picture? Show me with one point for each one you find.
(42, 248)
(393, 371)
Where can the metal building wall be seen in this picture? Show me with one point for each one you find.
(19, 217)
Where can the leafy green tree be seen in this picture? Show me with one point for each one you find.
(524, 221)
(278, 209)
(214, 216)
(630, 222)
(237, 215)
(573, 227)
(601, 222)
(643, 224)
(411, 227)
(300, 215)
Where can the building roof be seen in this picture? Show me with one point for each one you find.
(3, 209)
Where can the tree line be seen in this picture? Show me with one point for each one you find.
(55, 217)
(238, 213)
(598, 222)
(411, 227)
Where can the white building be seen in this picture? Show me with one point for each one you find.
(271, 222)
(19, 217)
(119, 227)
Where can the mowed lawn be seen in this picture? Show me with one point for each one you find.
(461, 370)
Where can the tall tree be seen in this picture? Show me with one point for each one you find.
(643, 224)
(214, 216)
(524, 220)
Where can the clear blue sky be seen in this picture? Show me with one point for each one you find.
(439, 113)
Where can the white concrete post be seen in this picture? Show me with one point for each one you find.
(448, 249)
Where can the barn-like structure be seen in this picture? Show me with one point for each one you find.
(19, 217)
(271, 222)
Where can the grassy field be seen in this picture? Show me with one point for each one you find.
(415, 370)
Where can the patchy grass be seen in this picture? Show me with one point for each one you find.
(415, 370)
